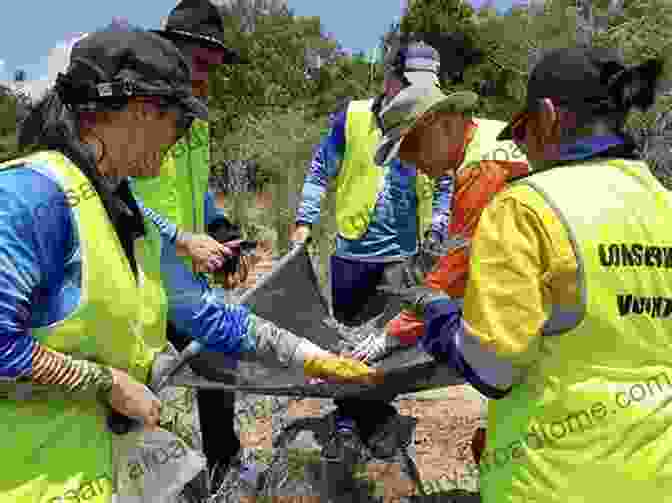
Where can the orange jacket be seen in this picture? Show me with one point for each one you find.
(475, 186)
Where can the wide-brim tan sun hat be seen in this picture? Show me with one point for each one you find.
(400, 116)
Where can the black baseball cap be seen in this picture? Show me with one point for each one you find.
(110, 66)
(579, 78)
(198, 21)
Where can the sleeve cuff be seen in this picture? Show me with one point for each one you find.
(445, 340)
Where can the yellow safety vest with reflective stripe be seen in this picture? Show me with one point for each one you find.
(59, 449)
(592, 419)
(360, 181)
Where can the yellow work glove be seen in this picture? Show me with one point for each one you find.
(340, 369)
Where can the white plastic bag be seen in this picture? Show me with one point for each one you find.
(152, 466)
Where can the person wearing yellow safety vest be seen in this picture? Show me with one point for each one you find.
(380, 213)
(183, 208)
(82, 308)
(564, 324)
(482, 166)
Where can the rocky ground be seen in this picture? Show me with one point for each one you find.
(446, 422)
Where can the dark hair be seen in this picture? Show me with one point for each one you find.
(636, 87)
(51, 125)
(628, 88)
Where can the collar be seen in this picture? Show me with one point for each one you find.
(586, 148)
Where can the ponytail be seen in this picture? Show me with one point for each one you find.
(636, 87)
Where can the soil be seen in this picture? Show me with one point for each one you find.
(442, 443)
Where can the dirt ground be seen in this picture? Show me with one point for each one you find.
(442, 446)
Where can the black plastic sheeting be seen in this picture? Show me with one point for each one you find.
(290, 297)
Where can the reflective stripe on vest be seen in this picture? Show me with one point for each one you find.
(119, 322)
(360, 181)
(592, 420)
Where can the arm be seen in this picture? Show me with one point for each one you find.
(205, 251)
(36, 239)
(196, 310)
(497, 336)
(325, 164)
(232, 329)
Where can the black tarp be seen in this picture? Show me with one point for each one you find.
(291, 297)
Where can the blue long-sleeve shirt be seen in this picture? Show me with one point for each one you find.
(40, 275)
(167, 229)
(392, 232)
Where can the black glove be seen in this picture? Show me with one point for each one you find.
(415, 298)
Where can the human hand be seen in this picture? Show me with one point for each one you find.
(206, 252)
(300, 235)
(134, 400)
(374, 347)
(416, 298)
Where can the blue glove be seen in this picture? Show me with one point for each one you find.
(443, 319)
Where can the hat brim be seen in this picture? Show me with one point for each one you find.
(388, 148)
(231, 56)
(195, 107)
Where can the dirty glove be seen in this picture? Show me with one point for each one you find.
(417, 298)
(342, 370)
(323, 365)
(375, 347)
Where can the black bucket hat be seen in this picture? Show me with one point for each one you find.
(110, 66)
(198, 21)
(579, 78)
